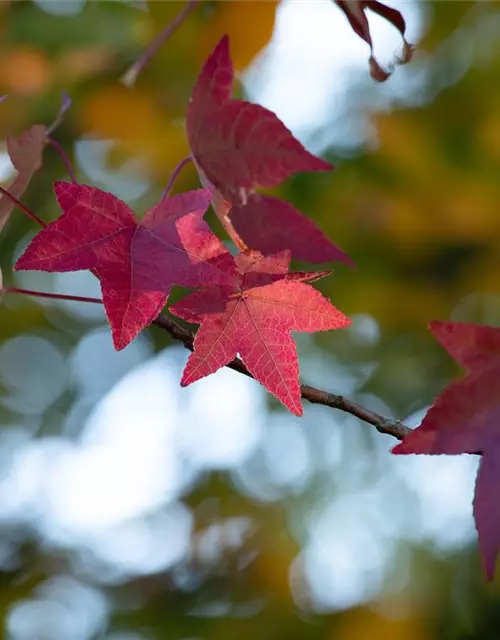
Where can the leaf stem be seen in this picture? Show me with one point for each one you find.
(173, 177)
(384, 425)
(222, 208)
(53, 296)
(65, 105)
(132, 73)
(23, 207)
(64, 157)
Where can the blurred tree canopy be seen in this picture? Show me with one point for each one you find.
(416, 206)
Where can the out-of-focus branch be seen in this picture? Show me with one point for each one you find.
(130, 76)
(388, 426)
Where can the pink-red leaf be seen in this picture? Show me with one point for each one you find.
(215, 82)
(253, 317)
(25, 154)
(136, 262)
(271, 225)
(240, 146)
(471, 345)
(465, 418)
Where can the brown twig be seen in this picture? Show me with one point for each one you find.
(130, 76)
(388, 426)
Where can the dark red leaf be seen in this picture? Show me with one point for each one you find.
(465, 418)
(355, 13)
(237, 145)
(253, 317)
(271, 225)
(215, 83)
(136, 262)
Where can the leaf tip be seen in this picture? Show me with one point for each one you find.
(221, 50)
(439, 327)
(297, 409)
(398, 449)
(323, 165)
(407, 55)
(119, 342)
(376, 71)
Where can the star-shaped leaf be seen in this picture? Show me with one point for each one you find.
(253, 316)
(237, 145)
(137, 262)
(465, 418)
(271, 225)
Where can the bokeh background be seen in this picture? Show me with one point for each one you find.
(132, 509)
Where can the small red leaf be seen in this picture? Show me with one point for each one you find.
(240, 146)
(354, 11)
(465, 418)
(136, 262)
(271, 225)
(25, 154)
(253, 317)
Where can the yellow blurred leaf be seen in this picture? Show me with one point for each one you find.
(25, 71)
(364, 623)
(76, 65)
(133, 119)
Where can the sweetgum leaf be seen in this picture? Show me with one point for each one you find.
(271, 225)
(252, 316)
(137, 263)
(465, 418)
(25, 153)
(239, 146)
(355, 12)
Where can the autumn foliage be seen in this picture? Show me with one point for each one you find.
(246, 300)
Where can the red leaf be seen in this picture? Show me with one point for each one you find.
(355, 13)
(466, 419)
(25, 154)
(136, 262)
(271, 225)
(215, 83)
(253, 317)
(236, 144)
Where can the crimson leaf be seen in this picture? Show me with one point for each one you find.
(252, 316)
(465, 418)
(271, 225)
(238, 145)
(137, 263)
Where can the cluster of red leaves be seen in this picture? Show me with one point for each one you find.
(465, 418)
(247, 304)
